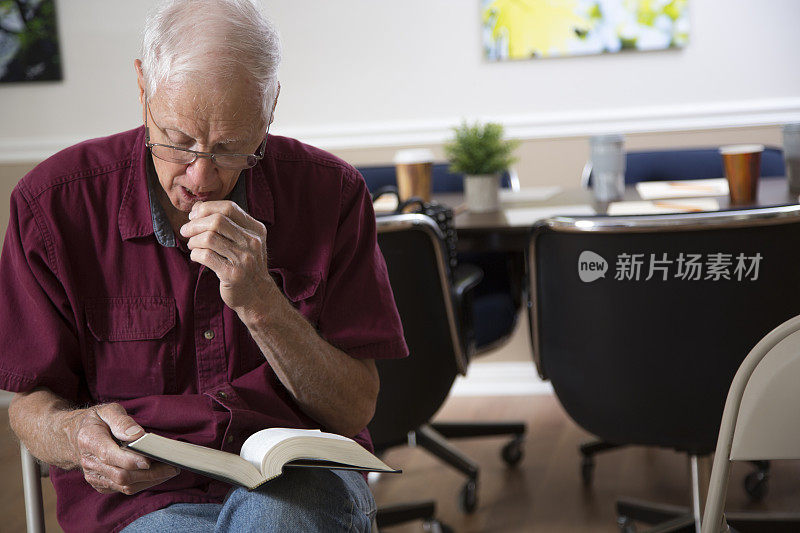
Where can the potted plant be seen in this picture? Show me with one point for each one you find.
(481, 154)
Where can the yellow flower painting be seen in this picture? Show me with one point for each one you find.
(523, 29)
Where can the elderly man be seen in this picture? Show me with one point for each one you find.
(200, 279)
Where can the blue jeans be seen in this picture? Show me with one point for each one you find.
(302, 499)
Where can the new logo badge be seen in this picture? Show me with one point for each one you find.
(591, 266)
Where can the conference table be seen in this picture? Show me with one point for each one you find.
(508, 229)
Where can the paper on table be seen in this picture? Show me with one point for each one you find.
(526, 216)
(529, 194)
(660, 207)
(650, 190)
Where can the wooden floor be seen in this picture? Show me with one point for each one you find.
(544, 493)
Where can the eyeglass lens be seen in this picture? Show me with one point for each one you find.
(176, 155)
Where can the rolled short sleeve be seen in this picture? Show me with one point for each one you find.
(39, 345)
(359, 315)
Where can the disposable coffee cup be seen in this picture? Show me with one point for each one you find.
(791, 156)
(414, 168)
(608, 167)
(742, 166)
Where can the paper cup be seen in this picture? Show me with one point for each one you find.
(742, 166)
(414, 169)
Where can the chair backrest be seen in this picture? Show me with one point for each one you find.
(443, 180)
(759, 421)
(689, 163)
(641, 322)
(413, 389)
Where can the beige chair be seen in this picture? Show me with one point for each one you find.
(32, 488)
(759, 422)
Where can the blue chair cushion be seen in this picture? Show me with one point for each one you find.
(494, 317)
(444, 181)
(690, 164)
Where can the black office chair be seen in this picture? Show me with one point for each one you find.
(676, 164)
(413, 389)
(641, 322)
(684, 164)
(497, 299)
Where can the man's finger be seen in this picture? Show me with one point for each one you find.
(217, 223)
(112, 419)
(230, 210)
(95, 440)
(122, 426)
(121, 476)
(224, 247)
(107, 480)
(211, 259)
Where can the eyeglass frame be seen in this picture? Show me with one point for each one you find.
(197, 153)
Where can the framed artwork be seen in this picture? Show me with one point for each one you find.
(29, 48)
(525, 29)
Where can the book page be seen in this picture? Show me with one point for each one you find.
(270, 449)
(220, 465)
(259, 444)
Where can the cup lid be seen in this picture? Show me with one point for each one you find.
(416, 155)
(741, 149)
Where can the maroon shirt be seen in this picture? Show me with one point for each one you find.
(97, 310)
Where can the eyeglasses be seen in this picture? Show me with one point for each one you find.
(185, 156)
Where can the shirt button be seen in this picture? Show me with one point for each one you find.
(208, 334)
(229, 439)
(222, 395)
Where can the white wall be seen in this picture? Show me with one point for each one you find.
(371, 73)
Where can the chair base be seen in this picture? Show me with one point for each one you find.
(588, 451)
(392, 515)
(674, 518)
(667, 518)
(433, 438)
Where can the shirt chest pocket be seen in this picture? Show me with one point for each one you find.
(131, 345)
(301, 289)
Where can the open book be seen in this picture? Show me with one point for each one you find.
(263, 456)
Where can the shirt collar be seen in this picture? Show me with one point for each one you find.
(141, 215)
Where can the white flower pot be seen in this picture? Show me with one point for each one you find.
(482, 192)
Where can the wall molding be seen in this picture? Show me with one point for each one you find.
(563, 124)
(549, 125)
(507, 378)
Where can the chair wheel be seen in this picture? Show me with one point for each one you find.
(756, 484)
(626, 525)
(434, 526)
(512, 452)
(469, 496)
(587, 470)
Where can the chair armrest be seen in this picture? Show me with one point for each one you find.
(465, 278)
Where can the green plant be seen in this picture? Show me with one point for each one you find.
(480, 149)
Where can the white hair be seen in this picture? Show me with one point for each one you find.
(200, 39)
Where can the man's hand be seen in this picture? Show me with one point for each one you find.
(106, 466)
(234, 245)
